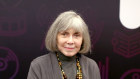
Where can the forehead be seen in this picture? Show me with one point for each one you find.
(72, 30)
(75, 23)
(77, 27)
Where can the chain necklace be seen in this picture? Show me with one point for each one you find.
(79, 70)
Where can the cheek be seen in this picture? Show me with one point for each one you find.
(79, 43)
(60, 42)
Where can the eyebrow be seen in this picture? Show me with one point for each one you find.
(77, 32)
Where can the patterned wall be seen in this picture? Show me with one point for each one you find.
(23, 26)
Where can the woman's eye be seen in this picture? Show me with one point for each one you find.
(77, 35)
(64, 34)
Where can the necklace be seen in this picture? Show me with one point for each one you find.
(79, 70)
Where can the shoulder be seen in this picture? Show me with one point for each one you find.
(90, 68)
(88, 61)
(41, 60)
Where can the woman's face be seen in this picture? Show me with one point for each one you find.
(69, 42)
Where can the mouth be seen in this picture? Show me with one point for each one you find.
(69, 48)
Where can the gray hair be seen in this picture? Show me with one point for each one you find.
(64, 21)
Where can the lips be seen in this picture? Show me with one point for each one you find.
(70, 48)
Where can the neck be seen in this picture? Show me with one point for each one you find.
(62, 57)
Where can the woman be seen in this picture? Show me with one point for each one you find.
(67, 39)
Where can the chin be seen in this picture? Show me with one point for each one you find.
(68, 54)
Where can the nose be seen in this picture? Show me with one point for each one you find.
(70, 40)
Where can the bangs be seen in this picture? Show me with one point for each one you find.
(74, 23)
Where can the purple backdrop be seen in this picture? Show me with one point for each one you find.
(23, 26)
